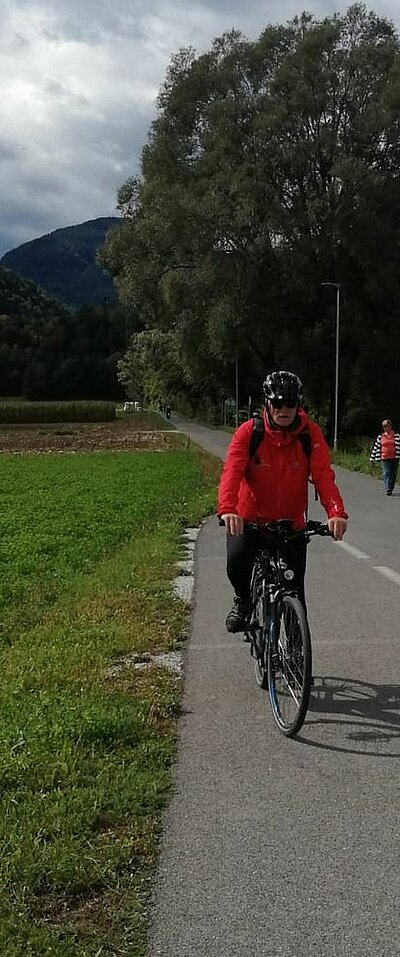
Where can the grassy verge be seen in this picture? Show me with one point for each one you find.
(87, 551)
(356, 462)
(146, 419)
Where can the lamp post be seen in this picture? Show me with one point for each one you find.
(335, 429)
(237, 387)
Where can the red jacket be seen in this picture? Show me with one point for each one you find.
(277, 487)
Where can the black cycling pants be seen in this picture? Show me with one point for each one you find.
(241, 552)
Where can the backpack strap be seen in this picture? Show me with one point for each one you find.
(305, 442)
(257, 436)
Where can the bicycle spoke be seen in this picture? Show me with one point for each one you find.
(292, 683)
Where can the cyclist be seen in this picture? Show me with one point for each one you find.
(273, 485)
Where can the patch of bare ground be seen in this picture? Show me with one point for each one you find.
(118, 436)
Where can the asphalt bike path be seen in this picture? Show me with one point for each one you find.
(274, 846)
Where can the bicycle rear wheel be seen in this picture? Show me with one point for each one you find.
(256, 632)
(289, 666)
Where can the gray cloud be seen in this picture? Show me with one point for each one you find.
(8, 150)
(56, 89)
(79, 84)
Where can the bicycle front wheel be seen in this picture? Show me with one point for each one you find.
(289, 666)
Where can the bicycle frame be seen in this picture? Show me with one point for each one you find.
(271, 555)
(271, 558)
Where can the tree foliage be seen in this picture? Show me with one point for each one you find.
(151, 368)
(273, 166)
(49, 352)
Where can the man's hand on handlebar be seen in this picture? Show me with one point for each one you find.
(234, 524)
(337, 527)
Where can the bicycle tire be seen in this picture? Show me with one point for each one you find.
(290, 666)
(256, 632)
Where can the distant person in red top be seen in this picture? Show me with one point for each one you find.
(386, 450)
(274, 485)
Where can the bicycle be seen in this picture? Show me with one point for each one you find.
(278, 630)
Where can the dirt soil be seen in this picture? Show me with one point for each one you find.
(120, 435)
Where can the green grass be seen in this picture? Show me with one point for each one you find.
(356, 462)
(147, 419)
(87, 551)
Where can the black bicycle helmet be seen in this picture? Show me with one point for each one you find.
(283, 386)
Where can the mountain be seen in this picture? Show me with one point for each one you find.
(63, 263)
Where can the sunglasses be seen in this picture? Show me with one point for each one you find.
(279, 403)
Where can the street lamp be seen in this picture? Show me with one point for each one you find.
(335, 430)
(237, 387)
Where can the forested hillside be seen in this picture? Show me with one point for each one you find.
(49, 351)
(64, 263)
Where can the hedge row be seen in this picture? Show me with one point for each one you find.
(20, 412)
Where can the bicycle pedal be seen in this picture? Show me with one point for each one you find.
(276, 662)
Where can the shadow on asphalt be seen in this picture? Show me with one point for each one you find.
(365, 714)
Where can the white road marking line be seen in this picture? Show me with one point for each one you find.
(354, 551)
(382, 569)
(388, 573)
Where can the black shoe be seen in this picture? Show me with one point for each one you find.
(388, 492)
(238, 617)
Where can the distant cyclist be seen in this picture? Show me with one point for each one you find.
(273, 485)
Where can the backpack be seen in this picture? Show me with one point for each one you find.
(257, 436)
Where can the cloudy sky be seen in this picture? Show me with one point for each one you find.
(79, 80)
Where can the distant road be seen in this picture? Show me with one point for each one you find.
(276, 847)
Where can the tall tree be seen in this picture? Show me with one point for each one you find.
(272, 166)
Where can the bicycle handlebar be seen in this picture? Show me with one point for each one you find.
(318, 528)
(311, 528)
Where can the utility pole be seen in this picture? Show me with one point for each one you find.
(337, 333)
(237, 387)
